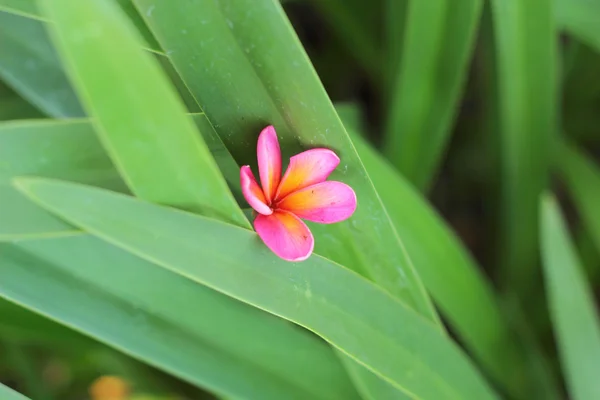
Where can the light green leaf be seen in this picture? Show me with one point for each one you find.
(56, 149)
(370, 385)
(526, 58)
(245, 66)
(198, 335)
(7, 393)
(581, 18)
(140, 120)
(26, 8)
(395, 343)
(68, 150)
(30, 65)
(438, 42)
(449, 273)
(583, 179)
(29, 9)
(572, 307)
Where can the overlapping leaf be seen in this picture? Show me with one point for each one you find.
(572, 305)
(168, 321)
(138, 116)
(438, 42)
(394, 342)
(526, 58)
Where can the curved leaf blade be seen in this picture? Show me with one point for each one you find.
(449, 273)
(139, 118)
(246, 68)
(574, 314)
(29, 9)
(67, 150)
(394, 342)
(194, 335)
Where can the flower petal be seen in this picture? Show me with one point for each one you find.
(307, 168)
(252, 192)
(269, 162)
(325, 202)
(286, 235)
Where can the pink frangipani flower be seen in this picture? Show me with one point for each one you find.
(301, 193)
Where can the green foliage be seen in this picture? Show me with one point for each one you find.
(127, 248)
(572, 307)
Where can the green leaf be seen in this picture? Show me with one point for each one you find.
(245, 67)
(526, 59)
(21, 363)
(7, 393)
(30, 65)
(438, 42)
(26, 8)
(449, 273)
(583, 179)
(198, 335)
(581, 18)
(29, 9)
(140, 120)
(370, 385)
(356, 22)
(395, 343)
(56, 149)
(572, 307)
(68, 150)
(14, 107)
(22, 326)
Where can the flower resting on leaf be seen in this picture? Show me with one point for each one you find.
(301, 193)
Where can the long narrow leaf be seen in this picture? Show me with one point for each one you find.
(185, 329)
(449, 273)
(30, 9)
(68, 150)
(572, 307)
(7, 393)
(30, 65)
(438, 42)
(395, 343)
(583, 179)
(61, 149)
(244, 65)
(140, 120)
(526, 57)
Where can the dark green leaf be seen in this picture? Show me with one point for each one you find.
(583, 179)
(438, 42)
(526, 58)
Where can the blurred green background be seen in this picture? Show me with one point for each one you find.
(480, 105)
